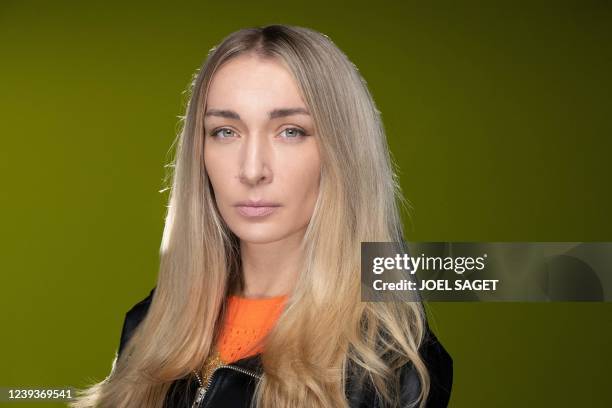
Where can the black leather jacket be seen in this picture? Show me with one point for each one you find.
(233, 385)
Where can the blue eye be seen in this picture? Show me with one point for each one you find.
(226, 132)
(294, 132)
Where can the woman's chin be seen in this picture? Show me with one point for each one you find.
(259, 234)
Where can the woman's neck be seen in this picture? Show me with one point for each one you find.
(270, 269)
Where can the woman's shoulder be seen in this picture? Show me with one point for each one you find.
(440, 367)
(132, 319)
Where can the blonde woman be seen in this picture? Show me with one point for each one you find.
(281, 171)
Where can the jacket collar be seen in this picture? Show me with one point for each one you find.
(252, 363)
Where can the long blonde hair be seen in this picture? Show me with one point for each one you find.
(324, 328)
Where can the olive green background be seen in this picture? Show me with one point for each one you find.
(498, 115)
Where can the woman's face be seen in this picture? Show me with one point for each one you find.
(260, 150)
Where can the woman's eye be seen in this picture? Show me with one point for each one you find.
(222, 133)
(293, 133)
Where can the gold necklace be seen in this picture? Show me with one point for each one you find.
(212, 362)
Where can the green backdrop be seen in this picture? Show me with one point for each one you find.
(498, 115)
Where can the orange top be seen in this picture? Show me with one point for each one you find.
(248, 320)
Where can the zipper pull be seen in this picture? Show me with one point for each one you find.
(199, 396)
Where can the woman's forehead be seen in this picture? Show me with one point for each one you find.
(246, 80)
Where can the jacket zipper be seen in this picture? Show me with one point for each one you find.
(201, 392)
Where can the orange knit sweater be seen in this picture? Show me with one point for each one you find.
(248, 321)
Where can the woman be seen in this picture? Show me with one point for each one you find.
(281, 171)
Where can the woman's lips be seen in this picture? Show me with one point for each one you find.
(256, 211)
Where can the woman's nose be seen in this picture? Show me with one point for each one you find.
(255, 166)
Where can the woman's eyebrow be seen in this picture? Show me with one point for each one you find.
(279, 113)
(273, 114)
